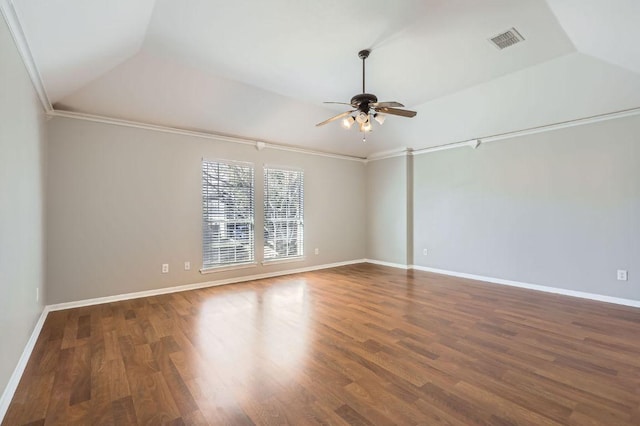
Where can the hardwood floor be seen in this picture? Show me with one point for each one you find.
(356, 345)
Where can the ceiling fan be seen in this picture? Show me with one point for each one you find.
(366, 106)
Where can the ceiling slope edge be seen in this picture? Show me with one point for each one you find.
(587, 23)
(138, 49)
(259, 145)
(11, 18)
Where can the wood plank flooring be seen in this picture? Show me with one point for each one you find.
(359, 345)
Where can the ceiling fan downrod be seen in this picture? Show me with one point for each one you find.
(363, 54)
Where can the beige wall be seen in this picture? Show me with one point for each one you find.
(388, 217)
(21, 206)
(122, 201)
(559, 209)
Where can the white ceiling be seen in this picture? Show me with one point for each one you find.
(261, 70)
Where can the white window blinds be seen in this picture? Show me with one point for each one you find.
(283, 213)
(227, 213)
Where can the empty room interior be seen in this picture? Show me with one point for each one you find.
(312, 213)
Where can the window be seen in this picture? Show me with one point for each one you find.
(227, 213)
(283, 213)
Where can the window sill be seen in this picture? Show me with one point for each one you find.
(214, 269)
(285, 260)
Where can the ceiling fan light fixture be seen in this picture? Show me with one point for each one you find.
(365, 127)
(347, 122)
(362, 117)
(379, 118)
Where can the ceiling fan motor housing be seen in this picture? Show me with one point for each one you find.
(362, 101)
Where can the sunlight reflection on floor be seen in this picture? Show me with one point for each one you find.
(247, 329)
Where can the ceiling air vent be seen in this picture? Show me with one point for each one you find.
(506, 39)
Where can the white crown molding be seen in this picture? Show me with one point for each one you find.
(312, 152)
(444, 147)
(146, 126)
(260, 145)
(382, 155)
(10, 389)
(546, 289)
(474, 143)
(11, 18)
(195, 286)
(563, 125)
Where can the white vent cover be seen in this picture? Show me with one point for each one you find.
(506, 39)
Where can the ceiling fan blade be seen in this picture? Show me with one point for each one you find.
(339, 103)
(392, 104)
(396, 111)
(337, 117)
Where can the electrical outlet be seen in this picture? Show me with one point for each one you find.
(187, 266)
(622, 275)
(424, 252)
(165, 268)
(317, 251)
(37, 294)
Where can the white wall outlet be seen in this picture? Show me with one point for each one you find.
(187, 266)
(37, 294)
(317, 251)
(165, 268)
(424, 252)
(622, 275)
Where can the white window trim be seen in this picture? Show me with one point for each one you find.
(284, 260)
(214, 269)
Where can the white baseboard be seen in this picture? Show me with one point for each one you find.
(186, 287)
(390, 264)
(546, 289)
(11, 387)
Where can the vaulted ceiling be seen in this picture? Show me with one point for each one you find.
(261, 70)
